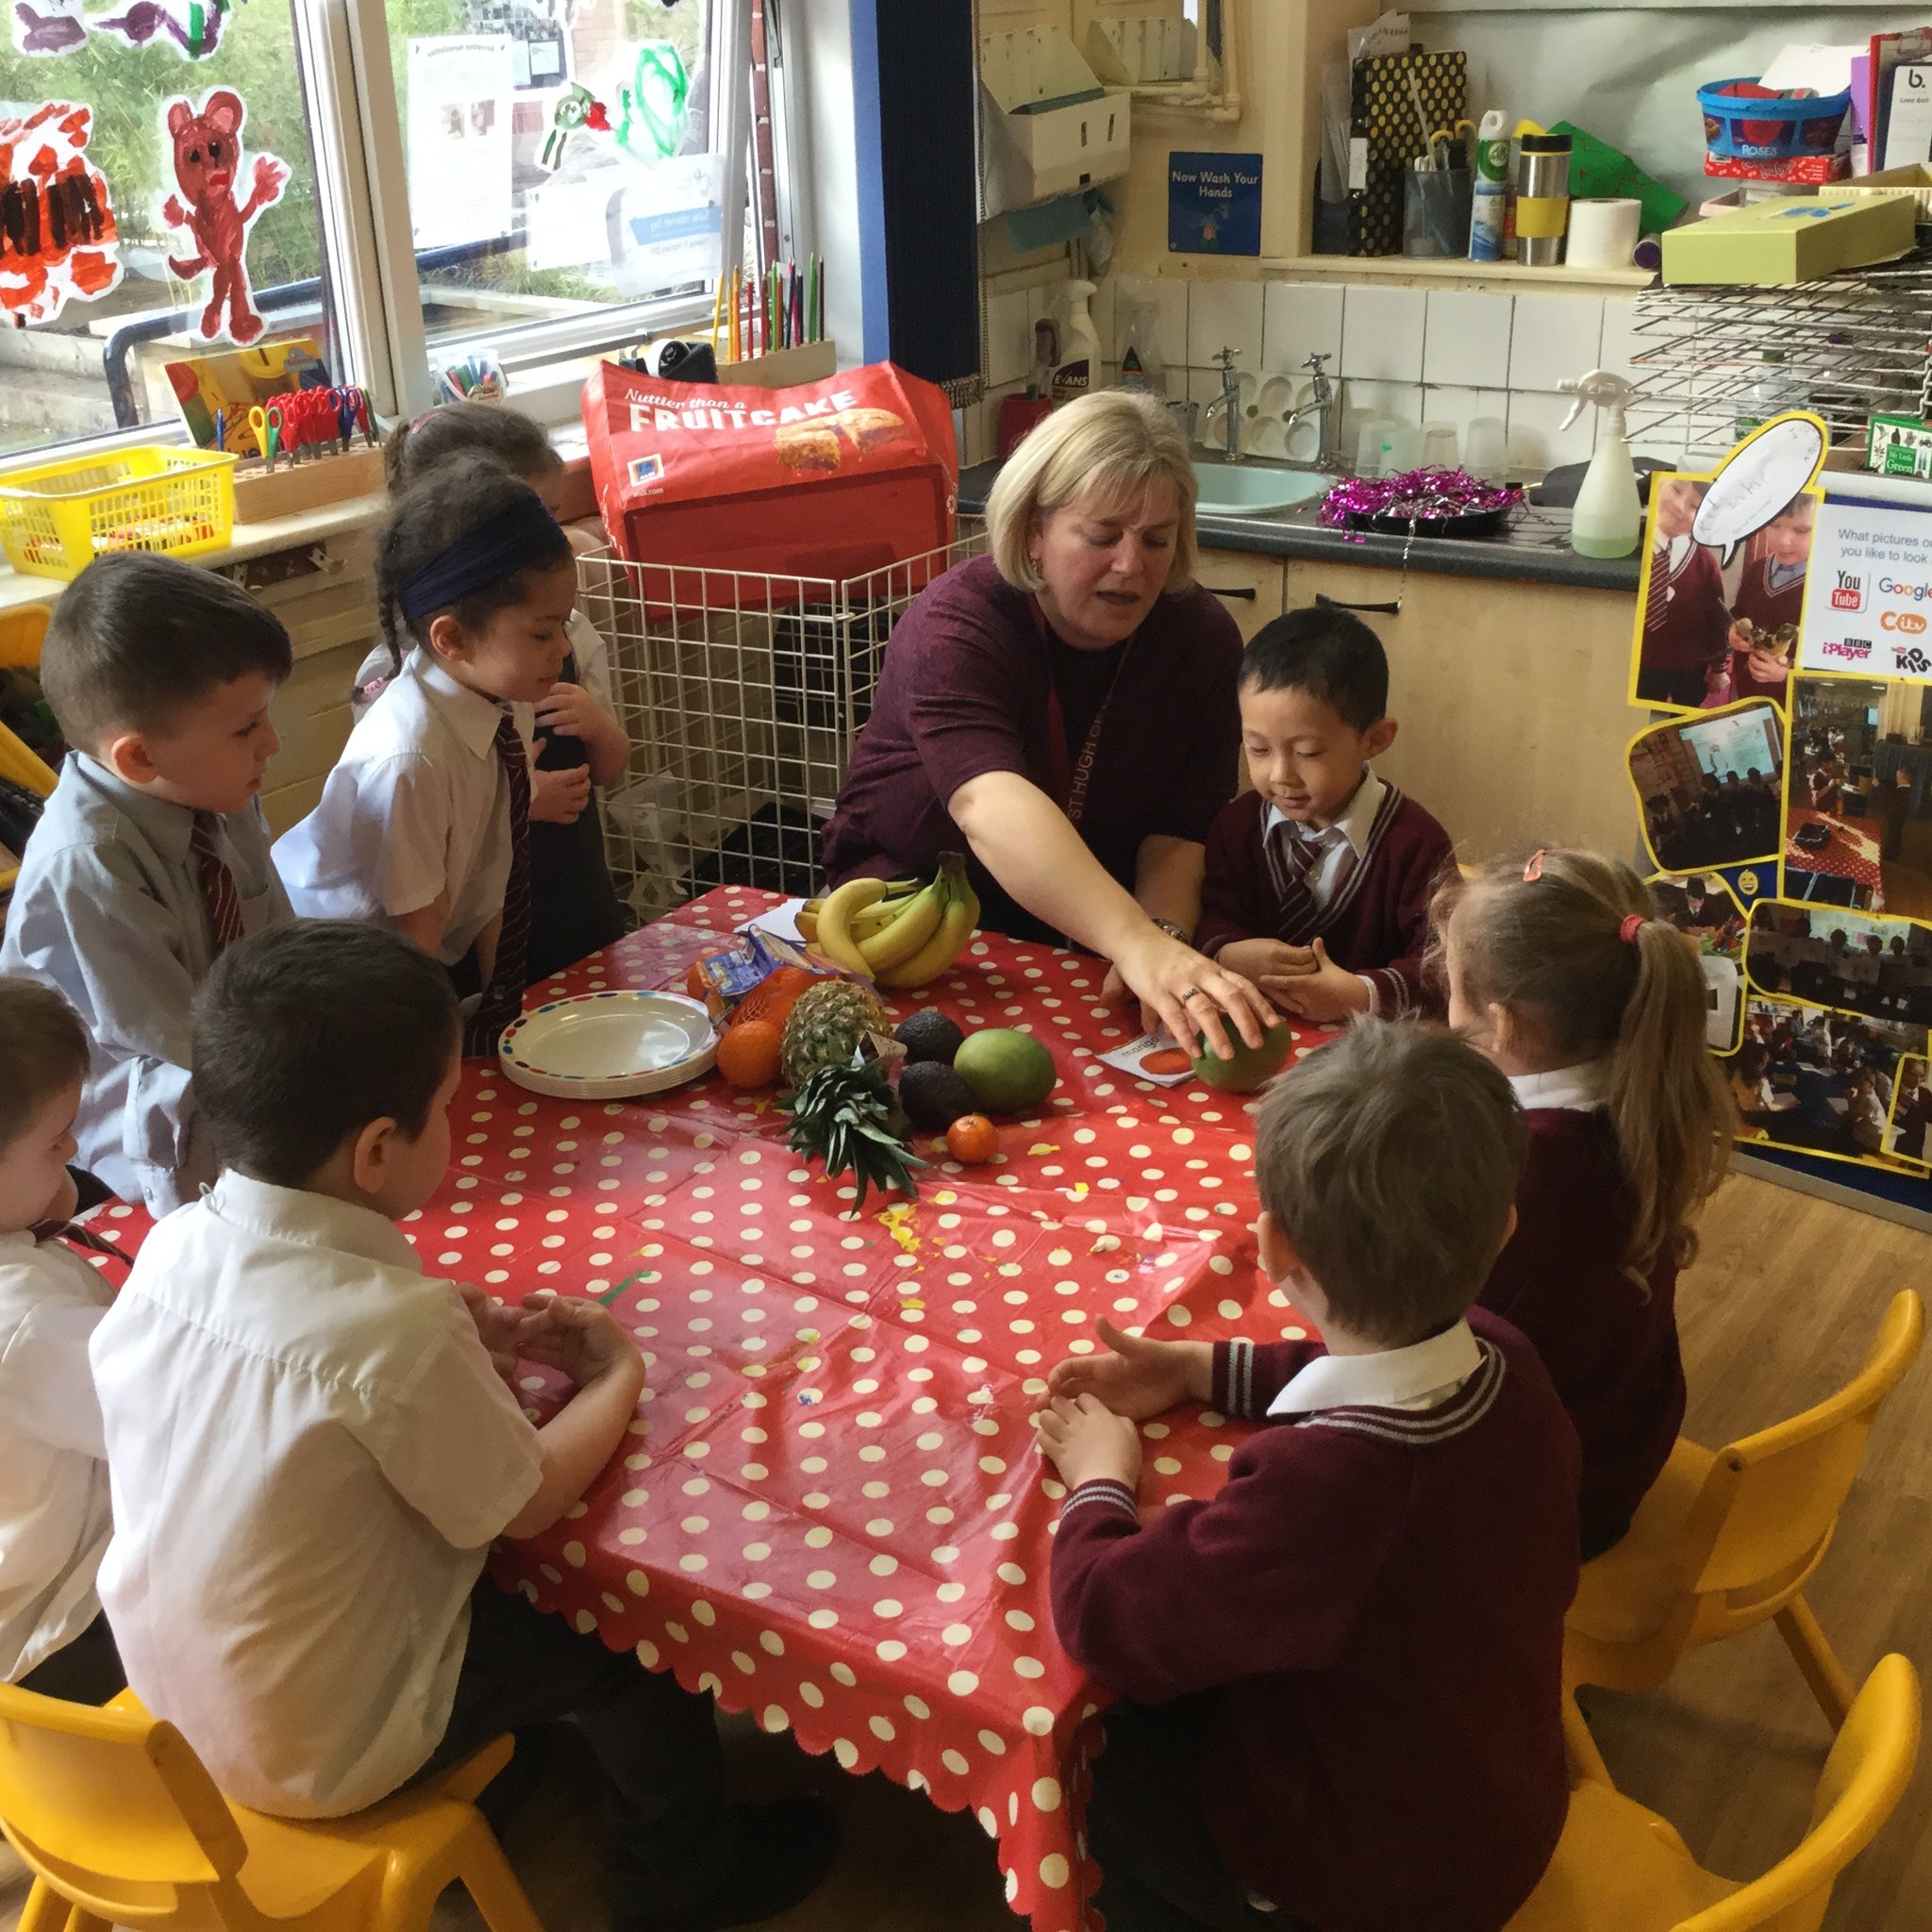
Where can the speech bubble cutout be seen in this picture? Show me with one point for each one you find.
(1759, 479)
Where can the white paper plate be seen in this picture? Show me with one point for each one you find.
(609, 1046)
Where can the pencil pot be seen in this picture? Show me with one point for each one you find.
(57, 517)
(1435, 207)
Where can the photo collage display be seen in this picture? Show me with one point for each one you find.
(1788, 813)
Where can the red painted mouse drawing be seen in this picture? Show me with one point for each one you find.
(208, 165)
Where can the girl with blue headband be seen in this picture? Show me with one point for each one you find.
(424, 824)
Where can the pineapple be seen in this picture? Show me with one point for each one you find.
(827, 1025)
(844, 1115)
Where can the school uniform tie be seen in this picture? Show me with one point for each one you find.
(217, 885)
(76, 1235)
(503, 998)
(1292, 854)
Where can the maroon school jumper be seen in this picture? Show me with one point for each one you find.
(1686, 625)
(1767, 610)
(1378, 1595)
(1376, 926)
(1610, 1349)
(965, 690)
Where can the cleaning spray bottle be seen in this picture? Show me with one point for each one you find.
(1488, 218)
(1078, 369)
(1608, 518)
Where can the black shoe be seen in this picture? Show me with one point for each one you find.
(788, 1847)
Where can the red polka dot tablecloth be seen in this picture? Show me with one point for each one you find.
(831, 1512)
(1852, 854)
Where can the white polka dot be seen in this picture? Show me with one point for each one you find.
(1028, 1667)
(1038, 1719)
(881, 1727)
(955, 1761)
(648, 1654)
(888, 1607)
(918, 1707)
(774, 1718)
(992, 1742)
(637, 1583)
(846, 1751)
(962, 1683)
(842, 1673)
(1053, 1870)
(956, 1633)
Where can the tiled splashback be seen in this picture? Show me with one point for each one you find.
(1417, 355)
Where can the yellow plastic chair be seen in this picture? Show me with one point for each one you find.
(1621, 1868)
(1724, 1542)
(121, 1825)
(21, 631)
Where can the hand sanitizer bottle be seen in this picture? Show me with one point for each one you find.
(1608, 517)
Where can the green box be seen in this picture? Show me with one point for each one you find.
(1793, 240)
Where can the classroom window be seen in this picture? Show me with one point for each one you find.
(566, 164)
(92, 312)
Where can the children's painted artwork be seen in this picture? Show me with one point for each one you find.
(57, 237)
(205, 146)
(47, 27)
(191, 28)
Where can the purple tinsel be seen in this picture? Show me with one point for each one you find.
(1416, 495)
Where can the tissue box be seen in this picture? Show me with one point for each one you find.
(1780, 243)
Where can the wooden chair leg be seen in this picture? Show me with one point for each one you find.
(486, 1876)
(1827, 1677)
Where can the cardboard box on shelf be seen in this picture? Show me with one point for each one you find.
(1782, 242)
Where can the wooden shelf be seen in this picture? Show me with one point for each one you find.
(1496, 276)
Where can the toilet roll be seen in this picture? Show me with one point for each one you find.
(1603, 233)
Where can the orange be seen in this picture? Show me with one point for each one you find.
(773, 997)
(973, 1139)
(748, 1055)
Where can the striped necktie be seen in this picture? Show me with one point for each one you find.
(503, 998)
(217, 885)
(1661, 578)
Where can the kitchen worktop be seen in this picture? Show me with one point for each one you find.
(1536, 549)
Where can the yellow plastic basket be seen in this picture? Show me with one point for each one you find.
(57, 517)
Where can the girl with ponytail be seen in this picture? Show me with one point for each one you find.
(1563, 972)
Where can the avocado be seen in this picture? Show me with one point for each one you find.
(933, 1095)
(928, 1034)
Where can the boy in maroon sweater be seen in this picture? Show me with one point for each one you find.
(1317, 881)
(1345, 1670)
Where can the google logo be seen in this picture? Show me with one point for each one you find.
(1888, 586)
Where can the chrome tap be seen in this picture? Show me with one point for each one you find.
(1323, 403)
(1228, 402)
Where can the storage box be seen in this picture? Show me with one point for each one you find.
(1915, 181)
(1783, 242)
(1050, 126)
(262, 495)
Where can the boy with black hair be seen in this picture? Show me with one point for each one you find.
(1345, 1668)
(1317, 881)
(52, 1482)
(153, 855)
(312, 1447)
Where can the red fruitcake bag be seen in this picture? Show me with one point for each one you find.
(831, 479)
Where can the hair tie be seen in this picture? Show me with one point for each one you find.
(1633, 923)
(1534, 870)
(522, 534)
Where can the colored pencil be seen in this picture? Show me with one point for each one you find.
(717, 313)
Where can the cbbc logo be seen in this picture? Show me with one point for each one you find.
(1848, 594)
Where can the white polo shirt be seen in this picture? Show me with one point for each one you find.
(52, 1483)
(417, 805)
(309, 1454)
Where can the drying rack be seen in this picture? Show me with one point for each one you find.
(1855, 345)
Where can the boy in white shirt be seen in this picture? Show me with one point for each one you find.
(313, 1447)
(52, 1482)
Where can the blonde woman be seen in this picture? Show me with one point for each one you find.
(1064, 710)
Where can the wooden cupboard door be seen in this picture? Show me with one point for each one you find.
(1248, 586)
(1511, 696)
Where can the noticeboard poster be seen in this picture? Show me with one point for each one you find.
(1783, 641)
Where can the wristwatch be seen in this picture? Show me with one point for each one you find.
(1175, 932)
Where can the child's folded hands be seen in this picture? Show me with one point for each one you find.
(499, 1328)
(580, 1337)
(1087, 1443)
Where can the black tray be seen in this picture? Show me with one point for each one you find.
(1475, 522)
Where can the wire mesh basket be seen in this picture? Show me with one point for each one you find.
(742, 694)
(1850, 346)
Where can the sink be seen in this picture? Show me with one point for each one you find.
(1234, 489)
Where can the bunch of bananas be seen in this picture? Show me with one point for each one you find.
(900, 932)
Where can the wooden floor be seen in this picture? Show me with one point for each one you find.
(1777, 1312)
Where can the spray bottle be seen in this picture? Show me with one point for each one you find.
(1608, 517)
(1489, 203)
(1078, 369)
